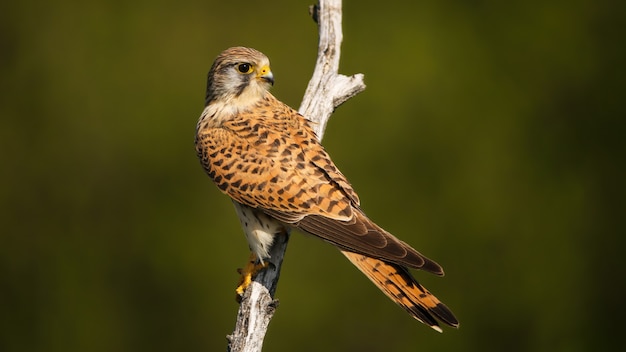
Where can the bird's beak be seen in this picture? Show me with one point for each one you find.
(266, 74)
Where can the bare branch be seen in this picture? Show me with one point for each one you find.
(327, 90)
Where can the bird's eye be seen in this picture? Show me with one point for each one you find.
(244, 68)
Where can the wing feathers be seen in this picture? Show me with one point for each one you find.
(362, 236)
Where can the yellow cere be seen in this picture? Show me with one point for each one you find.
(264, 70)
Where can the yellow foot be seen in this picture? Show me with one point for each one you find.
(251, 269)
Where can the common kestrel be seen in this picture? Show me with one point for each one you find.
(267, 158)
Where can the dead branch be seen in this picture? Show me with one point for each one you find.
(326, 90)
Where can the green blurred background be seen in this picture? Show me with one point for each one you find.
(491, 137)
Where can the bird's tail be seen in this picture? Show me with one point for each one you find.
(399, 285)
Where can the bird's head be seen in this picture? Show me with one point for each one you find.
(239, 75)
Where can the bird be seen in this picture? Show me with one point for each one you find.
(267, 158)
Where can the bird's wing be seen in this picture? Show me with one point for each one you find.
(398, 284)
(269, 158)
(271, 172)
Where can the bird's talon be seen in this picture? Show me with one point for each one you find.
(247, 274)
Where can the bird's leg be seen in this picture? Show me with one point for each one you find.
(253, 266)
